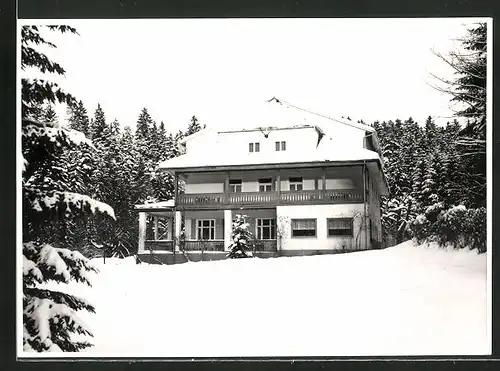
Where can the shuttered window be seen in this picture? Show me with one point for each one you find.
(303, 227)
(340, 227)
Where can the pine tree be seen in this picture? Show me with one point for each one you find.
(78, 118)
(194, 126)
(49, 317)
(97, 129)
(468, 97)
(241, 238)
(49, 115)
(144, 123)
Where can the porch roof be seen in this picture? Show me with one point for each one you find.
(157, 206)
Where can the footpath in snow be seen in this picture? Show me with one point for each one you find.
(404, 300)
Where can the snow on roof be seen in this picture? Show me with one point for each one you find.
(325, 152)
(196, 134)
(275, 116)
(157, 205)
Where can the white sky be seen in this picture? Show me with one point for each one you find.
(220, 70)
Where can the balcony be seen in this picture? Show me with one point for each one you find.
(274, 198)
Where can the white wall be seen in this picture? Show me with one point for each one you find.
(204, 188)
(321, 213)
(296, 140)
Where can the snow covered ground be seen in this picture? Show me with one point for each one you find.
(404, 300)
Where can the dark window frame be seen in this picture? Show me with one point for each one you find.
(200, 227)
(344, 232)
(235, 185)
(270, 227)
(294, 233)
(264, 183)
(297, 183)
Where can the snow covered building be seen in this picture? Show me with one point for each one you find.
(307, 184)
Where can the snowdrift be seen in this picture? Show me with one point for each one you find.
(404, 300)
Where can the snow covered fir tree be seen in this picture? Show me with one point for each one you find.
(50, 318)
(437, 175)
(241, 238)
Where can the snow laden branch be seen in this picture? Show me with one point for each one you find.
(50, 317)
(67, 203)
(38, 131)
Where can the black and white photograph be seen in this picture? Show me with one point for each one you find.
(254, 187)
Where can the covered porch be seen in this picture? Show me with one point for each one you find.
(164, 229)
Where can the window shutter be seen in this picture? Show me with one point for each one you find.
(194, 223)
(252, 223)
(219, 233)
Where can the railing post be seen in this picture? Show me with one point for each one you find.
(228, 223)
(278, 186)
(226, 188)
(155, 218)
(177, 225)
(323, 182)
(142, 230)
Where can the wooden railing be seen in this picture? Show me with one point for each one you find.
(265, 245)
(203, 245)
(329, 196)
(301, 197)
(253, 198)
(201, 199)
(158, 245)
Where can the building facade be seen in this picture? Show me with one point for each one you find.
(304, 189)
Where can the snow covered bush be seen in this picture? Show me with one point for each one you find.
(456, 226)
(241, 239)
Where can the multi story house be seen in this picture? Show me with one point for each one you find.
(311, 188)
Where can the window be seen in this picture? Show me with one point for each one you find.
(296, 184)
(205, 229)
(280, 146)
(265, 185)
(303, 227)
(340, 227)
(235, 185)
(254, 147)
(266, 229)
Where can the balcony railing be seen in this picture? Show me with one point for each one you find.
(329, 196)
(253, 198)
